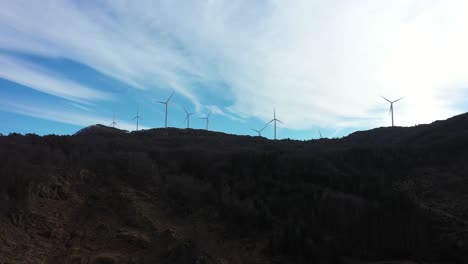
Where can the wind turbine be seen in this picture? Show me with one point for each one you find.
(166, 103)
(260, 131)
(320, 133)
(137, 117)
(391, 105)
(113, 124)
(207, 118)
(187, 117)
(274, 120)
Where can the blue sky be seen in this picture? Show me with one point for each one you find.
(322, 64)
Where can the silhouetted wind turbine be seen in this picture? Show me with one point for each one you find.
(320, 133)
(113, 124)
(187, 117)
(137, 117)
(260, 131)
(391, 105)
(207, 118)
(166, 103)
(274, 120)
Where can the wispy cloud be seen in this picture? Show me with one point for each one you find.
(319, 63)
(218, 111)
(62, 115)
(123, 46)
(37, 78)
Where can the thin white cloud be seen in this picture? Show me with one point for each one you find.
(124, 47)
(320, 63)
(218, 111)
(63, 115)
(37, 78)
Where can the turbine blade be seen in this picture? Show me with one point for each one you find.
(161, 102)
(398, 100)
(279, 121)
(271, 121)
(386, 99)
(266, 125)
(185, 109)
(172, 94)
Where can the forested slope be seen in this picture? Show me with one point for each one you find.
(193, 196)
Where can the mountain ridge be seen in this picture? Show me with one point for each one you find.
(186, 196)
(380, 135)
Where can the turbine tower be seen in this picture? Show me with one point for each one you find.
(274, 120)
(391, 106)
(187, 117)
(113, 124)
(166, 103)
(207, 118)
(137, 117)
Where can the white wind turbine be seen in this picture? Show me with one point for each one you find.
(260, 131)
(207, 118)
(187, 117)
(137, 117)
(391, 106)
(274, 120)
(113, 124)
(166, 103)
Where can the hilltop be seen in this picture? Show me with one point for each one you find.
(99, 129)
(172, 195)
(454, 128)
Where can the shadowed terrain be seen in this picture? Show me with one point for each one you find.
(103, 195)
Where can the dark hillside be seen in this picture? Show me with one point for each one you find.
(438, 132)
(195, 196)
